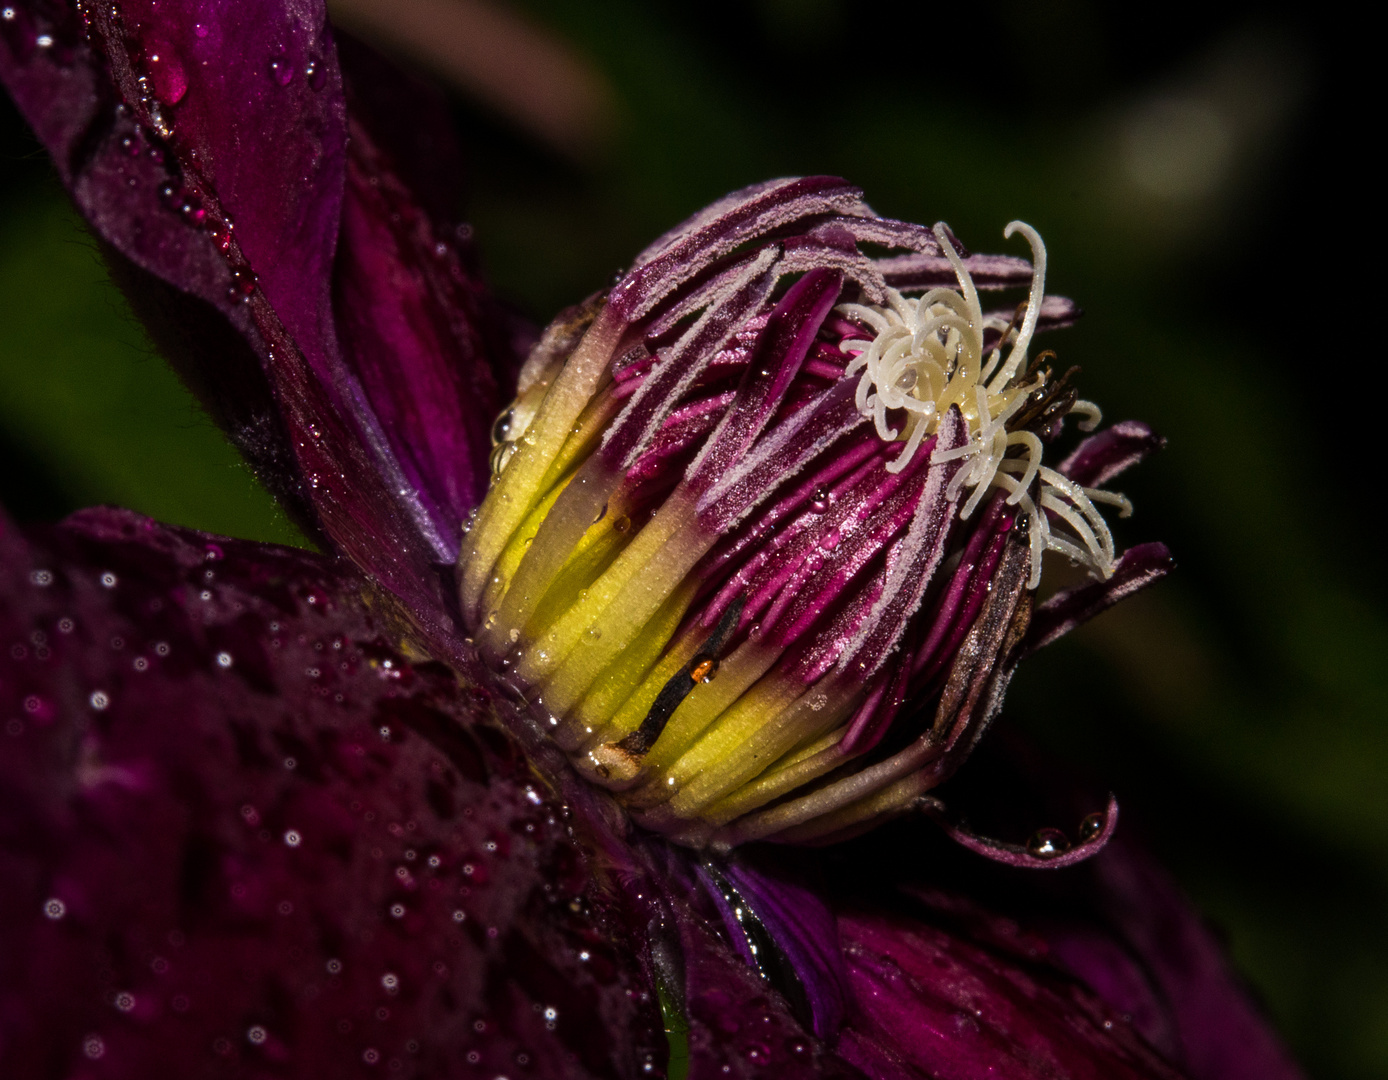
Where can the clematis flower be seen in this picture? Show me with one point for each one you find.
(526, 791)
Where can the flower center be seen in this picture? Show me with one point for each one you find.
(928, 354)
(759, 542)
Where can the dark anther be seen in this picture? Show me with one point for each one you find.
(704, 662)
(1047, 404)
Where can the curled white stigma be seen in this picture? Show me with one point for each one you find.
(928, 355)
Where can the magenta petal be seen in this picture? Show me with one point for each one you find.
(1138, 567)
(804, 930)
(237, 828)
(411, 321)
(947, 1005)
(1165, 945)
(1101, 457)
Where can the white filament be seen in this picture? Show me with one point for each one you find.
(926, 355)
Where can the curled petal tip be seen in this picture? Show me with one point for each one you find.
(1047, 849)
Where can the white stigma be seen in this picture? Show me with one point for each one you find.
(928, 355)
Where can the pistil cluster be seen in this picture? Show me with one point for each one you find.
(765, 517)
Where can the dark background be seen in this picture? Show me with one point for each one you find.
(1201, 175)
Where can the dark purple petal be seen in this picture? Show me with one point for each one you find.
(1154, 937)
(207, 147)
(1101, 457)
(410, 319)
(935, 1004)
(156, 229)
(1138, 567)
(1116, 921)
(804, 930)
(236, 824)
(739, 1025)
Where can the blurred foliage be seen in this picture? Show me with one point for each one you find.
(1192, 176)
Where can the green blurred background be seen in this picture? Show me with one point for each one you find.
(1197, 171)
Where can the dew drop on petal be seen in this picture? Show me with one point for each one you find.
(1091, 826)
(1048, 843)
(94, 1047)
(54, 908)
(281, 70)
(99, 700)
(256, 1034)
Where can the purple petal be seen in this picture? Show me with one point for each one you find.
(411, 320)
(929, 271)
(1099, 458)
(1154, 936)
(804, 929)
(1051, 856)
(933, 1003)
(1116, 921)
(236, 825)
(1138, 567)
(222, 174)
(744, 215)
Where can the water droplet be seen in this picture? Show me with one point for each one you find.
(167, 74)
(397, 911)
(281, 70)
(370, 1055)
(224, 660)
(514, 635)
(242, 286)
(592, 633)
(334, 966)
(99, 700)
(41, 578)
(1091, 827)
(622, 524)
(459, 915)
(501, 456)
(501, 426)
(292, 838)
(256, 1034)
(54, 908)
(316, 73)
(390, 981)
(94, 1047)
(124, 1001)
(108, 580)
(1048, 843)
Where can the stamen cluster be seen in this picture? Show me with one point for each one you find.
(706, 564)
